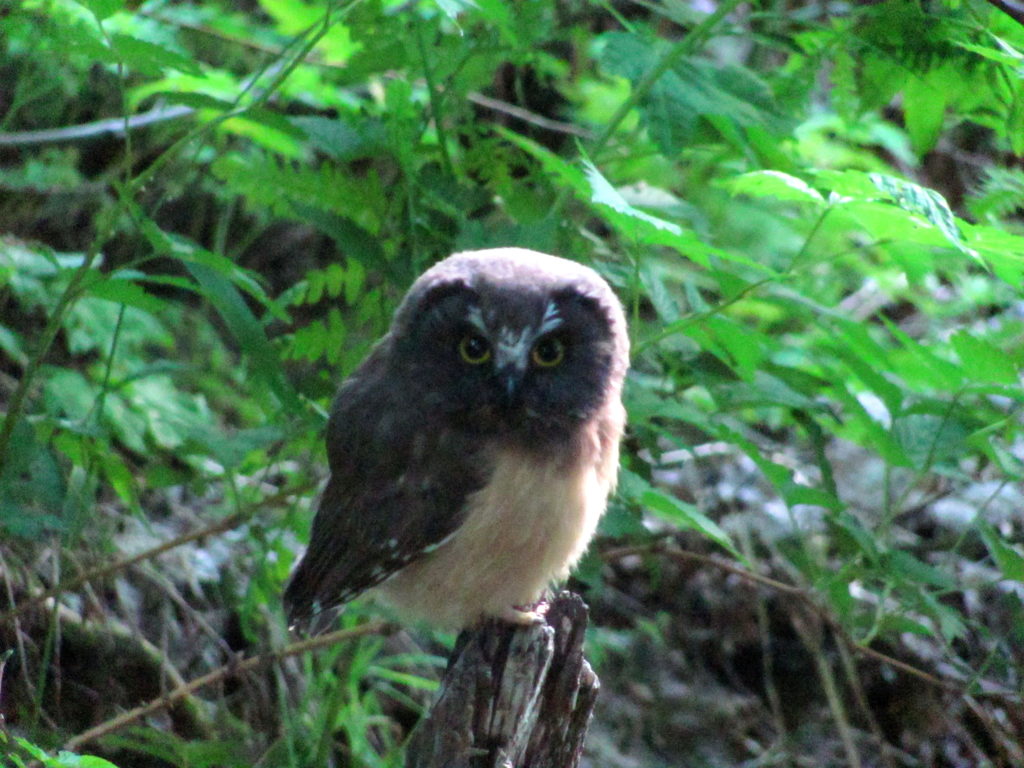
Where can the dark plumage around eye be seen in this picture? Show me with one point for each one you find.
(548, 352)
(474, 349)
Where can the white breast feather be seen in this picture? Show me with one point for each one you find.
(525, 529)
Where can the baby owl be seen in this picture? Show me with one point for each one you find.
(473, 451)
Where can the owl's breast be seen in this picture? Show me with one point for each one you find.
(525, 528)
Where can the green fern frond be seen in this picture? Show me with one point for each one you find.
(279, 185)
(999, 194)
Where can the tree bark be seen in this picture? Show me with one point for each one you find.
(513, 696)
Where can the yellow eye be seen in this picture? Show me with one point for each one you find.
(549, 352)
(474, 349)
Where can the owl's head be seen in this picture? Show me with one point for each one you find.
(511, 340)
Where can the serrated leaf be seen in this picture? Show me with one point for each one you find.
(344, 140)
(910, 568)
(231, 449)
(984, 361)
(687, 517)
(850, 528)
(247, 330)
(924, 106)
(151, 59)
(924, 202)
(1008, 558)
(196, 100)
(125, 291)
(919, 365)
(603, 193)
(657, 292)
(951, 623)
(282, 187)
(775, 184)
(691, 89)
(794, 493)
(928, 439)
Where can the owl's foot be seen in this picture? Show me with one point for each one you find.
(515, 615)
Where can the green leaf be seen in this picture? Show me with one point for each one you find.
(32, 487)
(923, 202)
(71, 760)
(656, 288)
(102, 9)
(151, 59)
(984, 361)
(897, 624)
(11, 343)
(691, 89)
(924, 104)
(353, 240)
(1008, 558)
(196, 100)
(408, 679)
(344, 140)
(452, 8)
(851, 532)
(123, 290)
(794, 493)
(247, 331)
(775, 184)
(929, 439)
(909, 568)
(603, 193)
(867, 359)
(639, 228)
(267, 181)
(920, 366)
(231, 449)
(950, 621)
(688, 518)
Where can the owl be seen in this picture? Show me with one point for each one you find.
(473, 451)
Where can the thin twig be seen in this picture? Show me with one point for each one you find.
(229, 522)
(681, 554)
(885, 750)
(226, 671)
(102, 571)
(527, 116)
(115, 126)
(811, 635)
(808, 599)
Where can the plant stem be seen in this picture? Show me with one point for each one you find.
(685, 47)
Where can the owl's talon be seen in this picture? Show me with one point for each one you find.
(514, 615)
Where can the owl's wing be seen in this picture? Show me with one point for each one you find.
(397, 490)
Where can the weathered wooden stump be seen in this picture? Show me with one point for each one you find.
(513, 696)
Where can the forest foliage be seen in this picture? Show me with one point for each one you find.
(812, 212)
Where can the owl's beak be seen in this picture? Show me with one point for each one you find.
(510, 377)
(509, 369)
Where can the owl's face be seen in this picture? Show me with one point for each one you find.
(520, 346)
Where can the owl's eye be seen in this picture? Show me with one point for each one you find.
(548, 352)
(474, 349)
